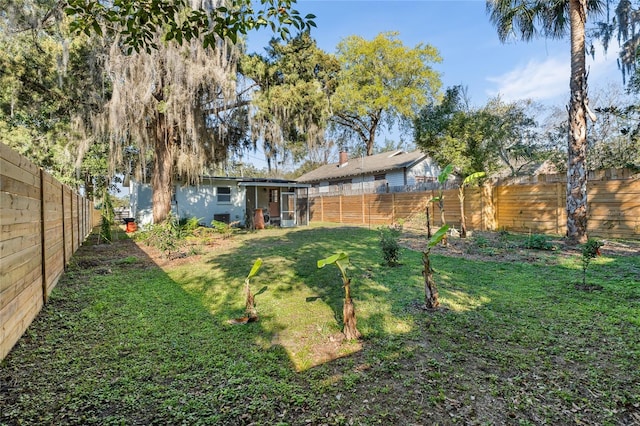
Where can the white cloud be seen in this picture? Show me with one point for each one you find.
(535, 80)
(548, 80)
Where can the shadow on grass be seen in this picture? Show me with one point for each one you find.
(304, 303)
(124, 342)
(120, 342)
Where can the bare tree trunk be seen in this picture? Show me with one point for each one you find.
(442, 220)
(428, 223)
(250, 306)
(162, 178)
(430, 290)
(577, 138)
(349, 315)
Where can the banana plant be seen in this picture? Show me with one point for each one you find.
(341, 260)
(442, 180)
(252, 312)
(469, 180)
(430, 289)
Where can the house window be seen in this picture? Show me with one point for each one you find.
(224, 194)
(273, 195)
(380, 177)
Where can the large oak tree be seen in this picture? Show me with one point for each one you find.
(381, 82)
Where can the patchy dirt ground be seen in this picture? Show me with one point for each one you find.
(501, 247)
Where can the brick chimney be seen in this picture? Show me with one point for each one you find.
(344, 158)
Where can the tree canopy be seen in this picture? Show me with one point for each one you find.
(291, 104)
(137, 22)
(50, 85)
(381, 82)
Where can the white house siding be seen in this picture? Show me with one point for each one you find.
(202, 201)
(396, 178)
(140, 201)
(426, 167)
(358, 179)
(190, 201)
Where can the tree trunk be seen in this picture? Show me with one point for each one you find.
(349, 315)
(162, 179)
(371, 141)
(250, 306)
(428, 223)
(463, 222)
(430, 290)
(442, 220)
(577, 138)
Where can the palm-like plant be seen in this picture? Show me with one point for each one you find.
(341, 260)
(430, 289)
(554, 19)
(442, 180)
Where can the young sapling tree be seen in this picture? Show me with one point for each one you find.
(252, 312)
(341, 260)
(590, 250)
(442, 180)
(430, 289)
(250, 304)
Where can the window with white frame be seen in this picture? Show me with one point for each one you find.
(224, 194)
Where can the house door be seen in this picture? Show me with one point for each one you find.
(288, 209)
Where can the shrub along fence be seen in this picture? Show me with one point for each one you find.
(43, 223)
(613, 208)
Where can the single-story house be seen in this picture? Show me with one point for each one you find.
(228, 199)
(379, 172)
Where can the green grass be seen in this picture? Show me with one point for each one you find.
(123, 341)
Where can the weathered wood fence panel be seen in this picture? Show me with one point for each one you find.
(614, 208)
(42, 223)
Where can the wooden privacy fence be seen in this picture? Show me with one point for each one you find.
(613, 208)
(43, 223)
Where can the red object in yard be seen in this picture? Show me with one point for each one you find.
(258, 219)
(131, 224)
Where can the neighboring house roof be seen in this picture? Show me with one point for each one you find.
(252, 181)
(387, 161)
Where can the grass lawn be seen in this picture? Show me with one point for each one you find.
(130, 339)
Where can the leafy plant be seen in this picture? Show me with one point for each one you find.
(165, 236)
(108, 217)
(189, 224)
(538, 242)
(252, 312)
(430, 289)
(442, 180)
(389, 245)
(222, 228)
(590, 250)
(341, 260)
(481, 241)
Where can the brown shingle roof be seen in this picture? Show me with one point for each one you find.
(387, 161)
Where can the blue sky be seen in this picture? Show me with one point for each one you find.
(472, 54)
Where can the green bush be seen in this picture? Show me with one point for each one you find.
(590, 250)
(389, 244)
(189, 224)
(538, 242)
(481, 241)
(222, 228)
